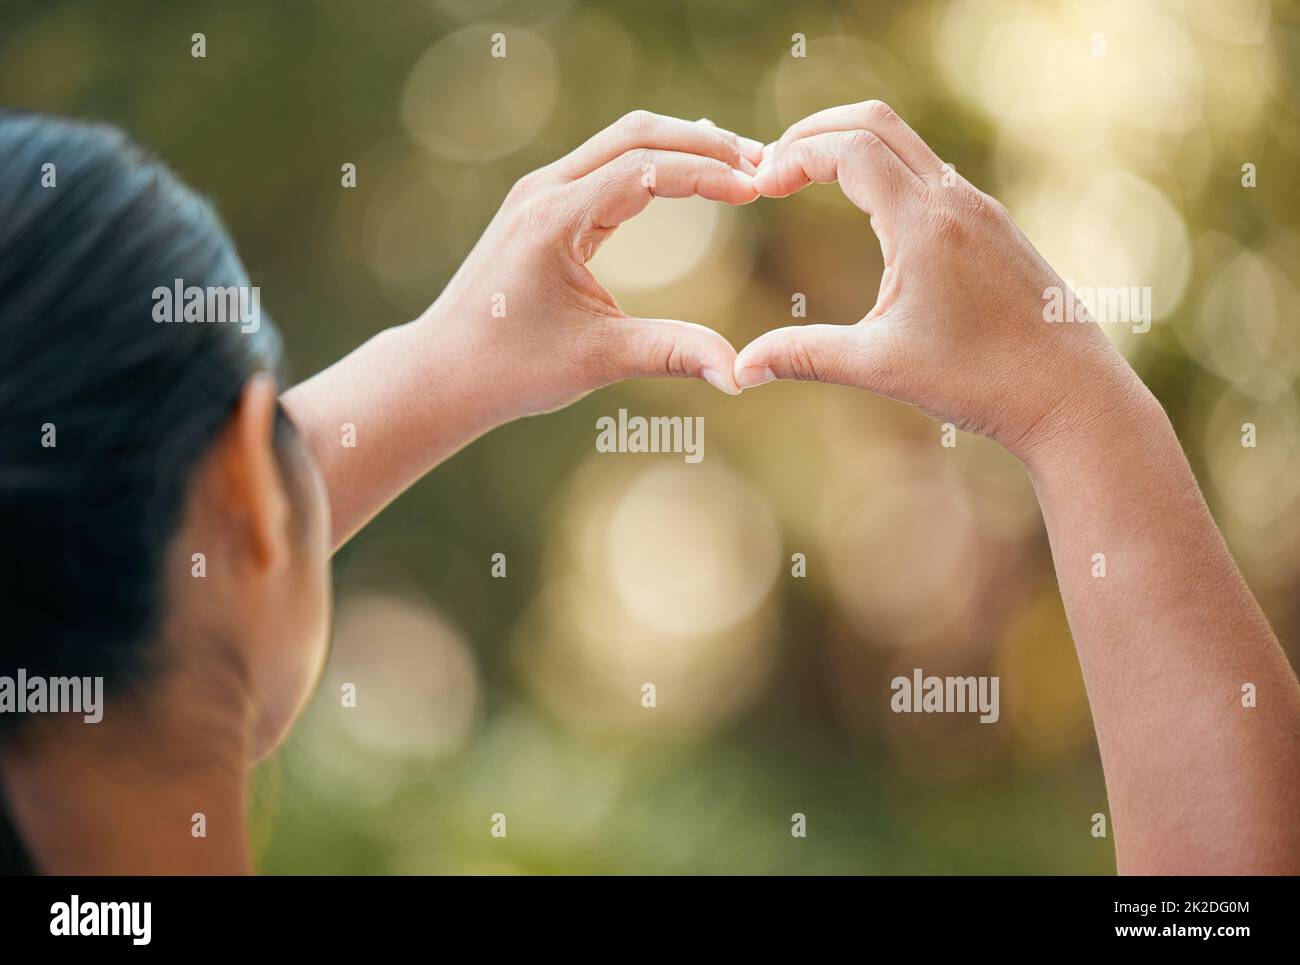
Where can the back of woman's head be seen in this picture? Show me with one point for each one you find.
(104, 411)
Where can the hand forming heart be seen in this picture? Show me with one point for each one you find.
(553, 332)
(957, 329)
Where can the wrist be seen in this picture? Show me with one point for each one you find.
(1098, 417)
(531, 363)
(456, 394)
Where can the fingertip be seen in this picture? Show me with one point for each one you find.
(767, 182)
(723, 382)
(748, 191)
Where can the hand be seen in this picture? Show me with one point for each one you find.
(527, 310)
(958, 326)
(522, 327)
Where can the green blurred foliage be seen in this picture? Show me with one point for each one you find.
(290, 90)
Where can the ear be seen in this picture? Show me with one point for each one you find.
(252, 488)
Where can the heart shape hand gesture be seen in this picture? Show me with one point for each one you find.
(958, 326)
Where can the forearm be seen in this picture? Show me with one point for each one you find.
(1167, 638)
(413, 398)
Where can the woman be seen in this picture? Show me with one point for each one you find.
(184, 431)
(168, 521)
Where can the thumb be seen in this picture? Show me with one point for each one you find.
(842, 354)
(667, 347)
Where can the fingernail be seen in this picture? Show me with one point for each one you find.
(715, 379)
(747, 180)
(747, 166)
(752, 375)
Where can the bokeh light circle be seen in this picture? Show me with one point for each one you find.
(465, 105)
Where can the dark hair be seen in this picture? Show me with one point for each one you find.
(90, 226)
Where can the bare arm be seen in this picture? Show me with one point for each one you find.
(1197, 781)
(405, 395)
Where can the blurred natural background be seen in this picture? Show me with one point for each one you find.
(523, 695)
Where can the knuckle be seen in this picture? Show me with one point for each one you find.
(982, 211)
(802, 366)
(878, 110)
(948, 221)
(662, 355)
(916, 194)
(636, 161)
(730, 147)
(525, 216)
(974, 201)
(636, 122)
(861, 142)
(800, 152)
(712, 167)
(525, 187)
(675, 364)
(995, 207)
(533, 214)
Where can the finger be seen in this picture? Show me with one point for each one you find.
(818, 353)
(840, 354)
(878, 118)
(643, 129)
(750, 149)
(748, 158)
(639, 347)
(868, 172)
(621, 189)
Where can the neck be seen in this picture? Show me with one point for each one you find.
(124, 796)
